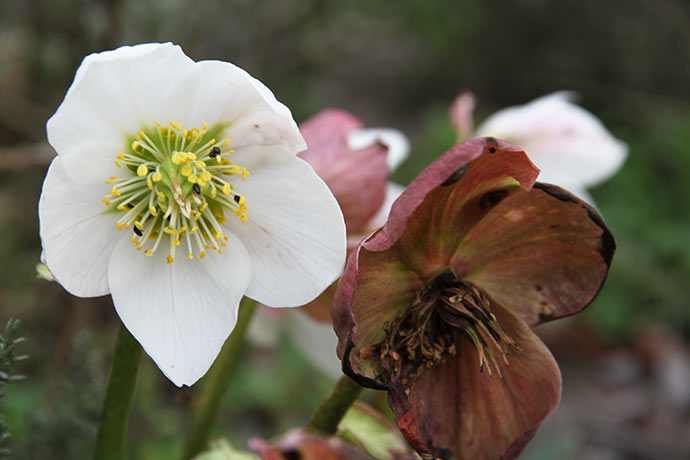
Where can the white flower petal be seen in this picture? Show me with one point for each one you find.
(77, 231)
(295, 233)
(181, 313)
(571, 146)
(229, 95)
(114, 95)
(397, 143)
(316, 340)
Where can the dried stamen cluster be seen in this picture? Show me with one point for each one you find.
(426, 334)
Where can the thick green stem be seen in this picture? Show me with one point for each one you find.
(216, 382)
(112, 433)
(326, 418)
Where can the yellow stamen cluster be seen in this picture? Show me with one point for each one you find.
(176, 187)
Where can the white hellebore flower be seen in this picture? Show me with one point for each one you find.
(571, 147)
(177, 189)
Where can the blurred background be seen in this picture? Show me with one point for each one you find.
(400, 64)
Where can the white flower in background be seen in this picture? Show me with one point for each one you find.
(571, 147)
(177, 189)
(355, 163)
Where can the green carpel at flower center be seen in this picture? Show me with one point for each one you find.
(175, 190)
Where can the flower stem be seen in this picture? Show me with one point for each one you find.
(326, 418)
(112, 433)
(216, 382)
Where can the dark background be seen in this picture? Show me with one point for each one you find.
(395, 64)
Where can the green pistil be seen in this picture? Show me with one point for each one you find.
(175, 189)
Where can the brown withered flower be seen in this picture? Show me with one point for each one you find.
(436, 306)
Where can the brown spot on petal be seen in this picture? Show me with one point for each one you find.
(455, 176)
(292, 454)
(491, 199)
(492, 144)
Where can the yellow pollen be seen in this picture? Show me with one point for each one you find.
(161, 196)
(149, 253)
(227, 188)
(119, 226)
(170, 259)
(214, 191)
(175, 242)
(200, 164)
(135, 146)
(193, 178)
(203, 207)
(227, 142)
(219, 235)
(157, 176)
(105, 201)
(186, 170)
(134, 240)
(113, 191)
(202, 254)
(194, 230)
(142, 170)
(117, 163)
(206, 176)
(231, 151)
(149, 183)
(170, 231)
(190, 256)
(158, 123)
(178, 158)
(152, 210)
(191, 156)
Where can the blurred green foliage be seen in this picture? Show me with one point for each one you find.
(392, 63)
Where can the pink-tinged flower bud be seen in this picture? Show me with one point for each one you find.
(354, 162)
(436, 306)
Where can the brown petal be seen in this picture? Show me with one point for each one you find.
(544, 254)
(357, 178)
(434, 228)
(385, 287)
(454, 409)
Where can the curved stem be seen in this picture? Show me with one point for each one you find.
(326, 418)
(216, 382)
(112, 432)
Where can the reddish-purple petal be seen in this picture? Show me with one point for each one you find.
(543, 254)
(357, 178)
(433, 214)
(454, 409)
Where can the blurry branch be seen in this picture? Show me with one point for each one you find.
(8, 360)
(25, 156)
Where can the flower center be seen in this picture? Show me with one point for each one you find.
(427, 332)
(175, 187)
